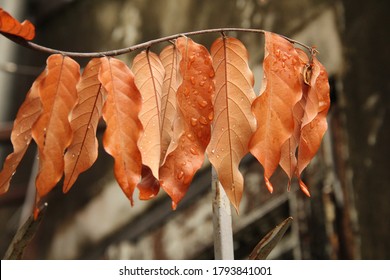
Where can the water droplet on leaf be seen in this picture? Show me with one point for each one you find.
(203, 120)
(180, 175)
(194, 121)
(211, 116)
(194, 151)
(190, 136)
(202, 103)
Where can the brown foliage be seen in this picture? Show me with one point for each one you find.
(162, 119)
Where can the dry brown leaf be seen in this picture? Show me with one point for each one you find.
(233, 122)
(313, 132)
(52, 131)
(124, 128)
(83, 150)
(148, 77)
(281, 90)
(169, 59)
(192, 124)
(288, 159)
(21, 137)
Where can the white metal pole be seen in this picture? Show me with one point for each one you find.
(222, 221)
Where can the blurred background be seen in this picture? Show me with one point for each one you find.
(347, 216)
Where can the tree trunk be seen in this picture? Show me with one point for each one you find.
(366, 89)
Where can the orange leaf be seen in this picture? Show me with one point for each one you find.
(21, 137)
(233, 122)
(192, 124)
(169, 59)
(281, 90)
(9, 25)
(124, 128)
(149, 185)
(148, 77)
(83, 150)
(288, 160)
(52, 131)
(312, 133)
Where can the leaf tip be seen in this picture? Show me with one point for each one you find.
(268, 185)
(304, 188)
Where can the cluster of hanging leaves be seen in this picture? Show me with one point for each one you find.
(168, 111)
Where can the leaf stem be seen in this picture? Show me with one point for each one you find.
(148, 44)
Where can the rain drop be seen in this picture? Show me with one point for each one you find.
(210, 89)
(190, 136)
(201, 83)
(180, 175)
(186, 92)
(194, 151)
(211, 74)
(211, 116)
(203, 120)
(202, 103)
(193, 80)
(73, 155)
(194, 121)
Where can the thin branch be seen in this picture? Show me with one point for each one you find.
(265, 246)
(24, 235)
(147, 44)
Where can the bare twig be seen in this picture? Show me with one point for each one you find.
(265, 246)
(24, 235)
(147, 44)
